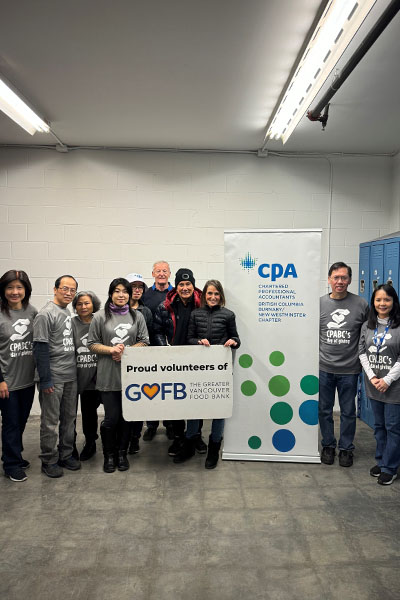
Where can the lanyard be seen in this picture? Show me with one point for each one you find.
(378, 341)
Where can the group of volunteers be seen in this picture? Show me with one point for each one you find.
(80, 356)
(353, 335)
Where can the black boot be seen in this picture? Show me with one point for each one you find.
(88, 450)
(134, 444)
(108, 439)
(186, 451)
(124, 436)
(212, 454)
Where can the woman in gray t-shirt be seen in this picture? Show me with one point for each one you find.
(380, 358)
(17, 368)
(111, 329)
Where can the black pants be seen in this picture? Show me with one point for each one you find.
(90, 402)
(112, 402)
(177, 426)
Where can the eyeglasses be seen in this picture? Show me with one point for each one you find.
(137, 287)
(340, 278)
(163, 271)
(66, 289)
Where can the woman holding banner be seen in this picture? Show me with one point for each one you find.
(111, 330)
(211, 324)
(380, 358)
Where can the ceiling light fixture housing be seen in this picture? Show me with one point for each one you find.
(335, 30)
(15, 108)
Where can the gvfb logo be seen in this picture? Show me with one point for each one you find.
(175, 391)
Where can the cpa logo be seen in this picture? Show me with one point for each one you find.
(248, 262)
(175, 391)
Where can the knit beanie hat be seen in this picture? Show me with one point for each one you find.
(184, 275)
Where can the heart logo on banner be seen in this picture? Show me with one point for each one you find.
(150, 390)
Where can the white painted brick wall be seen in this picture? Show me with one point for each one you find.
(99, 214)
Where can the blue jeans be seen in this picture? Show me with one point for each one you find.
(387, 435)
(346, 386)
(217, 429)
(14, 412)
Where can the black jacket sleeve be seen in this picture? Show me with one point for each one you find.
(42, 358)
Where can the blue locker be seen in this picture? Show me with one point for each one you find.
(364, 279)
(376, 265)
(379, 263)
(391, 264)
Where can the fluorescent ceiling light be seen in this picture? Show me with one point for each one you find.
(336, 28)
(18, 111)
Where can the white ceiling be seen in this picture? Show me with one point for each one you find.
(186, 74)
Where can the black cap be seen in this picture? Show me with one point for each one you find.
(184, 275)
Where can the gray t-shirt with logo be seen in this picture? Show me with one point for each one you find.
(53, 326)
(119, 329)
(339, 333)
(16, 347)
(381, 362)
(86, 361)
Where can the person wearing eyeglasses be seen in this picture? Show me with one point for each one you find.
(341, 317)
(152, 298)
(54, 351)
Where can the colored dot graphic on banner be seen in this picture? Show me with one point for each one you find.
(308, 412)
(309, 385)
(281, 413)
(245, 361)
(248, 388)
(279, 385)
(254, 442)
(276, 358)
(283, 440)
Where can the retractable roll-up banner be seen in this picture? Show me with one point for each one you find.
(272, 280)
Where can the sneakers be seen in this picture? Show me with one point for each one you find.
(149, 434)
(52, 470)
(345, 458)
(375, 471)
(25, 464)
(88, 450)
(174, 448)
(199, 444)
(70, 463)
(386, 478)
(16, 475)
(328, 455)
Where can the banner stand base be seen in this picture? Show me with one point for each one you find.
(272, 458)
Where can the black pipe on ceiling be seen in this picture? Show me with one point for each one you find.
(383, 21)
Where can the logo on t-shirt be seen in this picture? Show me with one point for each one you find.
(68, 341)
(121, 330)
(373, 347)
(21, 329)
(84, 347)
(338, 318)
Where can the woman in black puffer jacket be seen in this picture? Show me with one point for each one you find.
(211, 324)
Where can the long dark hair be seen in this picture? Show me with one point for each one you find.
(111, 289)
(218, 286)
(6, 279)
(394, 314)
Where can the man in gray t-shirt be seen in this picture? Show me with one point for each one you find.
(54, 350)
(341, 317)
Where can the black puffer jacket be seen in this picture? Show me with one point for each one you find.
(216, 324)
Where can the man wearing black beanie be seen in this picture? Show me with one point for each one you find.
(170, 324)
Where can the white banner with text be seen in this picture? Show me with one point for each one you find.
(272, 280)
(176, 382)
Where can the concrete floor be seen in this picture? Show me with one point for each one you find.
(253, 531)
